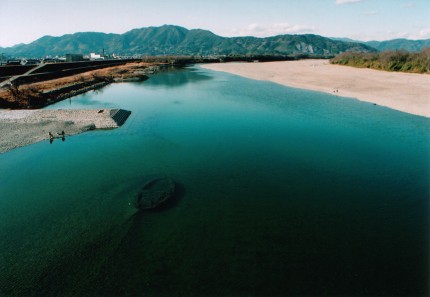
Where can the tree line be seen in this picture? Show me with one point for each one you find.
(400, 60)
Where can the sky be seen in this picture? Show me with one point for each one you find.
(23, 21)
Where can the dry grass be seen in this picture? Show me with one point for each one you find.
(34, 94)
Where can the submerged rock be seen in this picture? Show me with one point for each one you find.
(155, 192)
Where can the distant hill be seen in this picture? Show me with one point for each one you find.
(399, 44)
(346, 39)
(175, 40)
(394, 44)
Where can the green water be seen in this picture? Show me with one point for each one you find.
(281, 192)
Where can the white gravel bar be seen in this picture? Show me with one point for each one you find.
(23, 127)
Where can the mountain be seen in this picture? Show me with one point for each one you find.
(399, 44)
(175, 40)
(393, 45)
(346, 39)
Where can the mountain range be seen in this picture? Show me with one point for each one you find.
(399, 44)
(175, 40)
(393, 44)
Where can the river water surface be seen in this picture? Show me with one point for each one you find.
(280, 192)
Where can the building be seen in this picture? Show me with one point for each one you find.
(30, 62)
(94, 56)
(74, 58)
(13, 62)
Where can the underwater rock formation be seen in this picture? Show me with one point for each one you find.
(155, 192)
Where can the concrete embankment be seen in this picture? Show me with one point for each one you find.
(59, 94)
(24, 127)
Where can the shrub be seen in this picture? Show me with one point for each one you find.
(388, 60)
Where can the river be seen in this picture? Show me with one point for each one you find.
(281, 192)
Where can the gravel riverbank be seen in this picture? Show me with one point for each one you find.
(23, 127)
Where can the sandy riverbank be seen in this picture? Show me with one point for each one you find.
(406, 92)
(23, 127)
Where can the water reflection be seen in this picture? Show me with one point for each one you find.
(176, 77)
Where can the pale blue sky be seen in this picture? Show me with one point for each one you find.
(23, 21)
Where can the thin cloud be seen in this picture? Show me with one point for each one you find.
(370, 12)
(258, 30)
(397, 35)
(339, 2)
(408, 5)
(422, 34)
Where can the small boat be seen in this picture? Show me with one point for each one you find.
(154, 193)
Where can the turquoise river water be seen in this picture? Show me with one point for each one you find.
(281, 192)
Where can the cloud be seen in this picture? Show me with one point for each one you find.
(370, 12)
(272, 30)
(408, 5)
(338, 2)
(396, 35)
(422, 34)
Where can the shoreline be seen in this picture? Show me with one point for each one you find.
(46, 92)
(26, 124)
(406, 92)
(24, 127)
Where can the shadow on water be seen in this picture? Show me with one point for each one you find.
(105, 264)
(176, 77)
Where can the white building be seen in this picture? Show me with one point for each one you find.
(94, 56)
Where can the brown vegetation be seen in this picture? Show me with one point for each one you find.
(402, 61)
(39, 94)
